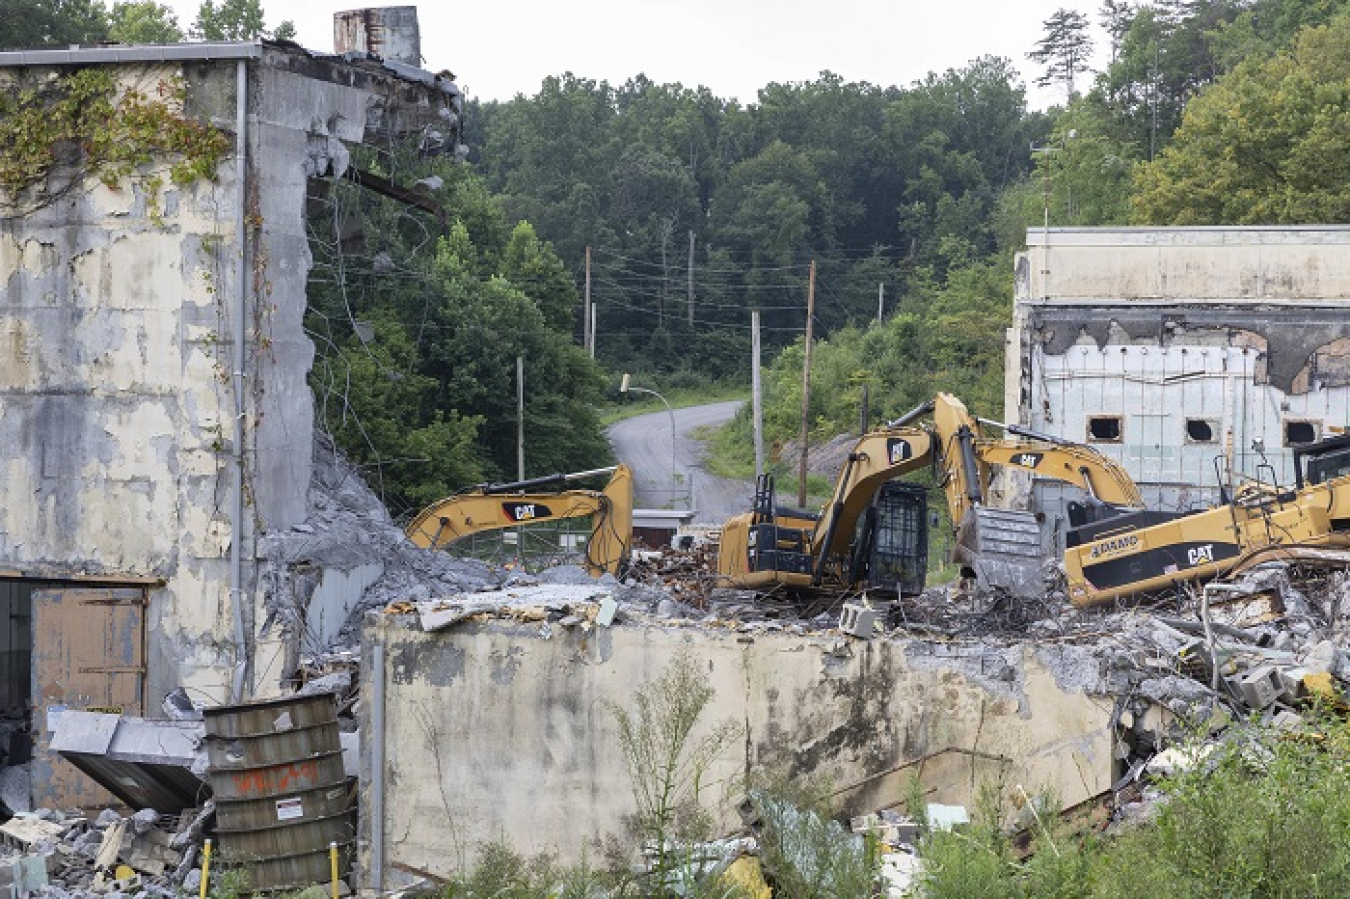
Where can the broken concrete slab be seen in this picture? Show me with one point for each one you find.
(147, 851)
(25, 832)
(145, 763)
(1327, 656)
(1260, 687)
(23, 876)
(858, 621)
(533, 602)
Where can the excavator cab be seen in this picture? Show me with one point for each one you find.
(891, 548)
(1319, 462)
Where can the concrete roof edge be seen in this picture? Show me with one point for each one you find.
(131, 53)
(221, 50)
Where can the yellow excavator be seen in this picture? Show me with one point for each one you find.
(489, 507)
(873, 532)
(1113, 555)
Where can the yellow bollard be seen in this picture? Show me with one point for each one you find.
(206, 867)
(332, 857)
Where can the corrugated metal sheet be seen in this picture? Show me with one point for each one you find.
(1156, 391)
(145, 764)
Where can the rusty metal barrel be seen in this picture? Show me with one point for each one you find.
(281, 794)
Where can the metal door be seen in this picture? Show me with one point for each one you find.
(89, 654)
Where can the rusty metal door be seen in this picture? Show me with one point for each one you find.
(88, 654)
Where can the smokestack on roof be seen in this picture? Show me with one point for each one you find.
(389, 32)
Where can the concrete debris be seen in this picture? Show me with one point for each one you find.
(946, 817)
(888, 827)
(857, 621)
(339, 682)
(526, 603)
(27, 832)
(180, 707)
(109, 856)
(16, 789)
(23, 876)
(1175, 759)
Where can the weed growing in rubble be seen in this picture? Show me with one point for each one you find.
(1264, 816)
(666, 764)
(502, 872)
(808, 854)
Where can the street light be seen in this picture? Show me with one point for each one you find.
(625, 387)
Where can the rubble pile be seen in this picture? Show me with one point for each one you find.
(1258, 647)
(138, 857)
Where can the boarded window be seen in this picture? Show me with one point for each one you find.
(1200, 430)
(1298, 433)
(1105, 428)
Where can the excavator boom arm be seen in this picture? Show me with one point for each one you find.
(489, 509)
(1099, 475)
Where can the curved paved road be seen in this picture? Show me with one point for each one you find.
(643, 444)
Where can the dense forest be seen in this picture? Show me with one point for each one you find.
(695, 210)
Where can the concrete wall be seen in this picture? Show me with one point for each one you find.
(1203, 343)
(1295, 264)
(119, 312)
(504, 730)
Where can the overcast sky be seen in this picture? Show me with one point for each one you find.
(734, 47)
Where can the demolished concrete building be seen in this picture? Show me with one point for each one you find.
(183, 529)
(1181, 352)
(156, 429)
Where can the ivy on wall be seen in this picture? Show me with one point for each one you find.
(81, 119)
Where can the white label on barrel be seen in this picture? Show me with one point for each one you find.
(290, 808)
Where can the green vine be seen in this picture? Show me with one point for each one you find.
(115, 134)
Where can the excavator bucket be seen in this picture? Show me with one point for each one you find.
(1003, 548)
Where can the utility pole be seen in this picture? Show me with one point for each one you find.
(691, 277)
(587, 315)
(520, 445)
(881, 300)
(756, 393)
(806, 383)
(520, 418)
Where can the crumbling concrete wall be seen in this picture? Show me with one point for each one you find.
(1184, 345)
(505, 730)
(119, 311)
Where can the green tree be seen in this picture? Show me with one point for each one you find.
(1115, 16)
(1064, 50)
(235, 20)
(43, 23)
(958, 139)
(143, 22)
(1264, 27)
(385, 417)
(1266, 144)
(450, 314)
(482, 326)
(838, 125)
(532, 266)
(549, 159)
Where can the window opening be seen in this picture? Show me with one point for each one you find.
(1105, 428)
